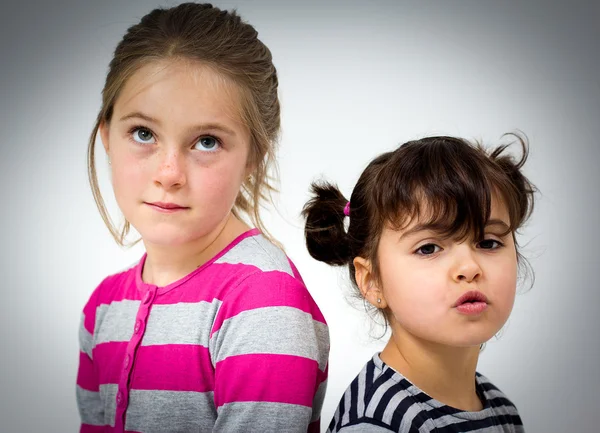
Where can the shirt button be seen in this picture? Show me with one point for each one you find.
(148, 297)
(120, 398)
(127, 359)
(138, 326)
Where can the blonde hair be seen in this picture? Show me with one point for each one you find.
(221, 40)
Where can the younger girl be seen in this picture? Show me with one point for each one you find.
(431, 246)
(213, 330)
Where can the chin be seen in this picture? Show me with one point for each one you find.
(473, 340)
(168, 238)
(470, 343)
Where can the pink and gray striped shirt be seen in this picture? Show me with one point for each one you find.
(238, 345)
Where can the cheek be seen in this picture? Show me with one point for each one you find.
(505, 284)
(500, 284)
(411, 292)
(128, 175)
(221, 183)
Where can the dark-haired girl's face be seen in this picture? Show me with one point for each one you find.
(448, 291)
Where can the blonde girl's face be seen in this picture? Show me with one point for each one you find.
(423, 278)
(178, 150)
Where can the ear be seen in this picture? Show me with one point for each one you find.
(103, 129)
(367, 283)
(248, 172)
(250, 165)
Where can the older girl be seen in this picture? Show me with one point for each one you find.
(213, 329)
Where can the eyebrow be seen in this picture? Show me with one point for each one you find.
(202, 126)
(429, 227)
(499, 223)
(416, 229)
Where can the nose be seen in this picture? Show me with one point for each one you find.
(466, 268)
(170, 172)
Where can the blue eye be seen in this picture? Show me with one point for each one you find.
(143, 135)
(490, 244)
(207, 144)
(428, 249)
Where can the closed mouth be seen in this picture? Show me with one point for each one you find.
(471, 297)
(168, 206)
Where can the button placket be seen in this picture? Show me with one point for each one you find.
(132, 348)
(120, 399)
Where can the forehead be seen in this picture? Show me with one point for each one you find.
(499, 210)
(427, 219)
(180, 90)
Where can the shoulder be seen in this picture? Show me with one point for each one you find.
(257, 253)
(267, 309)
(262, 275)
(492, 394)
(112, 286)
(500, 407)
(380, 398)
(270, 296)
(108, 290)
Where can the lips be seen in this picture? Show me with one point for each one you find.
(471, 297)
(166, 206)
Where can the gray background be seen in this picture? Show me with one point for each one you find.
(357, 78)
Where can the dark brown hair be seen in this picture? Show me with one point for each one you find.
(450, 178)
(221, 40)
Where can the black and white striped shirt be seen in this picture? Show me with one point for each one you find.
(382, 400)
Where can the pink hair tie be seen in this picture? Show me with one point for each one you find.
(347, 209)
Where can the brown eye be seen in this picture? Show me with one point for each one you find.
(428, 249)
(489, 244)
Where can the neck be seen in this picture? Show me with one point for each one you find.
(443, 372)
(166, 264)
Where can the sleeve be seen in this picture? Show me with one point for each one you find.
(91, 409)
(269, 347)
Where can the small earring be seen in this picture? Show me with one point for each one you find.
(379, 300)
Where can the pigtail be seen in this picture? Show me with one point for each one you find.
(326, 237)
